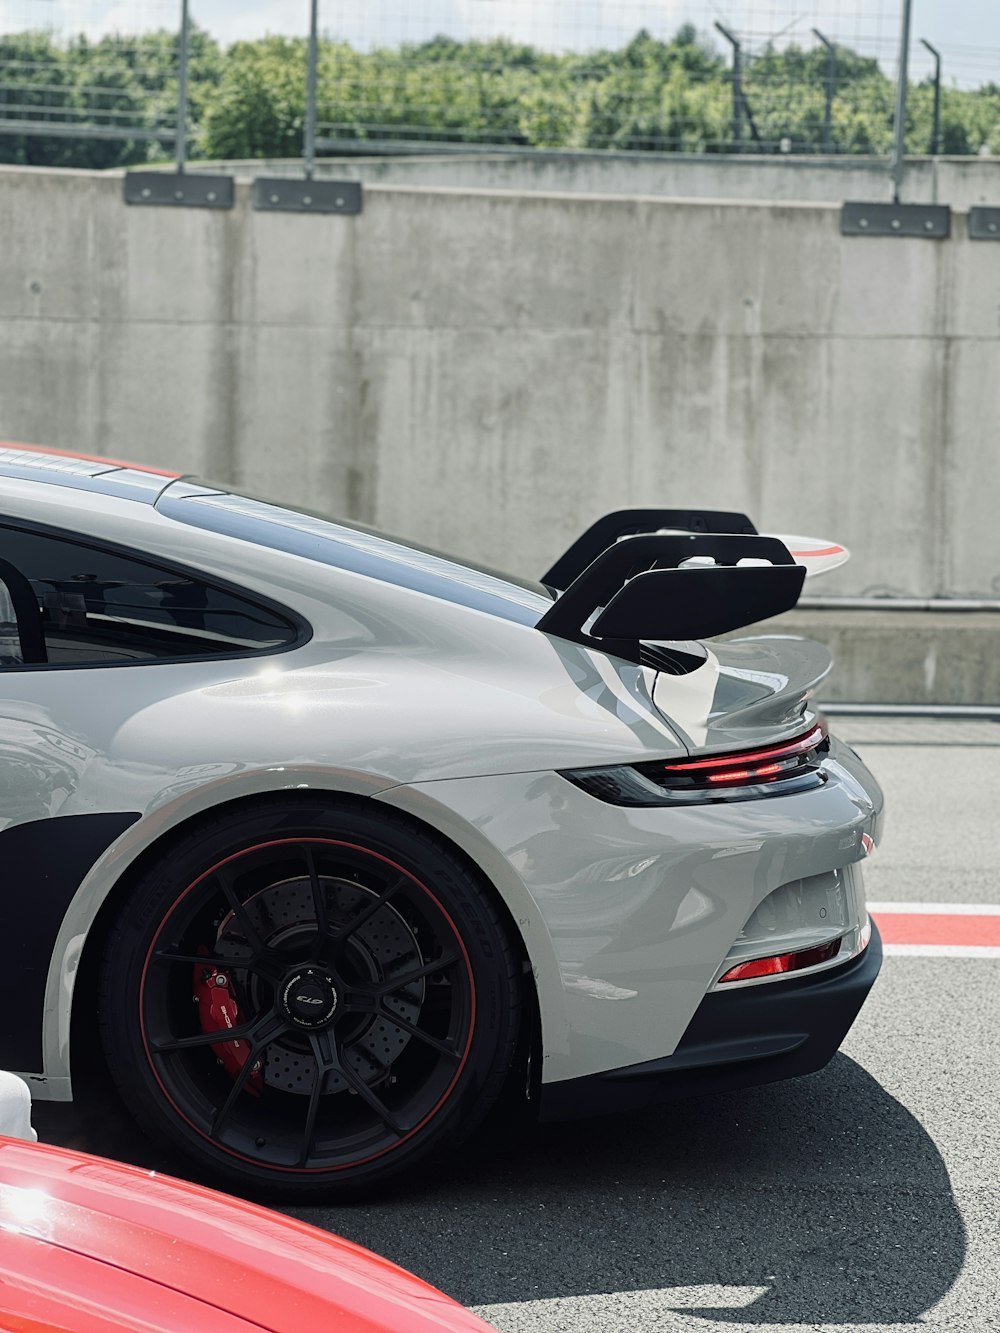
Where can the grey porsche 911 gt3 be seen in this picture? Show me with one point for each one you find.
(332, 840)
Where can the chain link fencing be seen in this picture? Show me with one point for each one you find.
(104, 83)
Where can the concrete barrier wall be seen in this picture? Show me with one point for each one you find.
(959, 181)
(488, 372)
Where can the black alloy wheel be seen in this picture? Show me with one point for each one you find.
(305, 997)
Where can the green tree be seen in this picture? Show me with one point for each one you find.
(650, 94)
(118, 83)
(259, 108)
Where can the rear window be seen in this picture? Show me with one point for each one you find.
(352, 547)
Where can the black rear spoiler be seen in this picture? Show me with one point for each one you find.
(634, 590)
(631, 522)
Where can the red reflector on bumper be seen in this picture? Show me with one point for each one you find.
(782, 962)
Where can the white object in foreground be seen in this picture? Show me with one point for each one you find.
(15, 1108)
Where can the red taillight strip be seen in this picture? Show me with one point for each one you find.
(798, 746)
(744, 774)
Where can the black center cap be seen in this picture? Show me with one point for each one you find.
(309, 998)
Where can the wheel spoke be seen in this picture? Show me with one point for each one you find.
(404, 979)
(325, 1053)
(258, 1031)
(209, 960)
(263, 1031)
(239, 911)
(366, 914)
(442, 1047)
(260, 964)
(239, 1083)
(375, 1102)
(239, 1033)
(318, 893)
(330, 1057)
(267, 1027)
(312, 1110)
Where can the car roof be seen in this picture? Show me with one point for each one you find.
(84, 472)
(269, 526)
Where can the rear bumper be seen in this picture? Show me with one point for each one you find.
(737, 1039)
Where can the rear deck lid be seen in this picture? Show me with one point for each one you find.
(748, 692)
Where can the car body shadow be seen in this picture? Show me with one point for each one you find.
(823, 1196)
(824, 1193)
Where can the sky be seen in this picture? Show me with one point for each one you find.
(967, 32)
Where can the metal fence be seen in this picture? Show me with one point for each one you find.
(125, 83)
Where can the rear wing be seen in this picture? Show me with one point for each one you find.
(637, 590)
(630, 523)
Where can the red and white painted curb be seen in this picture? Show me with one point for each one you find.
(939, 930)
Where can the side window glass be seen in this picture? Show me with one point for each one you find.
(10, 639)
(98, 606)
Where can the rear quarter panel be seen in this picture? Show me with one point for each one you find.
(641, 905)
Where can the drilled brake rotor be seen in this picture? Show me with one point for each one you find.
(284, 916)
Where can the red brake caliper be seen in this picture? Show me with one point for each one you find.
(218, 1008)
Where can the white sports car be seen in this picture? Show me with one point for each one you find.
(330, 840)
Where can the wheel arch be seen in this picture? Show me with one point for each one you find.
(69, 1040)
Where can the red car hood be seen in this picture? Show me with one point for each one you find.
(87, 1244)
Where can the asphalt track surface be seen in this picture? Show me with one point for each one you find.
(865, 1197)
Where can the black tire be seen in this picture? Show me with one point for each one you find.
(366, 1040)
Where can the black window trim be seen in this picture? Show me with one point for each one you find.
(303, 631)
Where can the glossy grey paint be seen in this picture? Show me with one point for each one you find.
(817, 909)
(752, 691)
(456, 716)
(643, 904)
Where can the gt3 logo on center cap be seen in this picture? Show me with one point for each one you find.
(312, 1005)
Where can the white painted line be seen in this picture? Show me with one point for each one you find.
(943, 950)
(937, 909)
